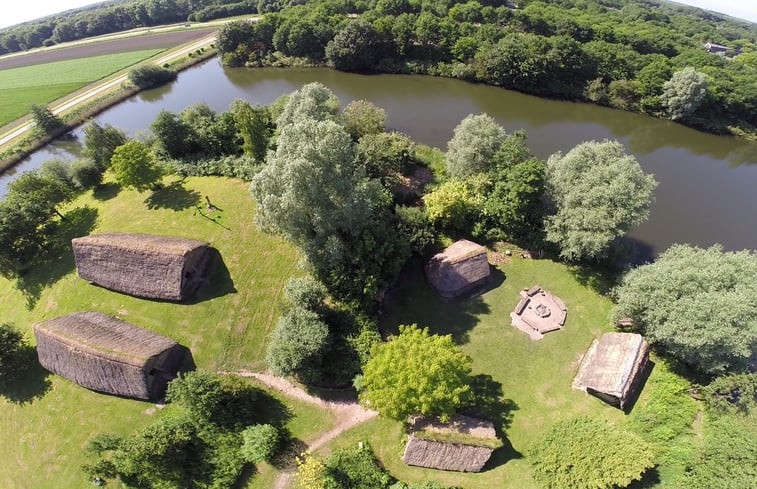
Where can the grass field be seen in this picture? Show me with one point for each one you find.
(43, 83)
(534, 377)
(44, 432)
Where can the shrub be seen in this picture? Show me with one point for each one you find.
(149, 75)
(259, 442)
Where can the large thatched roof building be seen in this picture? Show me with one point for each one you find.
(108, 355)
(460, 268)
(613, 367)
(464, 444)
(156, 267)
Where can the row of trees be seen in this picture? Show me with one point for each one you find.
(635, 57)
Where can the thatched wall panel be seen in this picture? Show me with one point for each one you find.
(445, 456)
(460, 268)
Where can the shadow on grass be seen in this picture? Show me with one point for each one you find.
(32, 384)
(502, 455)
(490, 403)
(639, 387)
(218, 282)
(414, 301)
(106, 191)
(174, 197)
(651, 478)
(243, 481)
(60, 260)
(290, 449)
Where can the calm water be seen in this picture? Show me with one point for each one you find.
(708, 184)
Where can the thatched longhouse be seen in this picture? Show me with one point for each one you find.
(613, 367)
(461, 267)
(464, 444)
(108, 355)
(144, 265)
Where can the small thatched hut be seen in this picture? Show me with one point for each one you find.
(613, 367)
(464, 444)
(108, 355)
(156, 267)
(460, 268)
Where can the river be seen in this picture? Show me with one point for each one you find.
(708, 184)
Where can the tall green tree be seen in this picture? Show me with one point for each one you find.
(100, 142)
(133, 165)
(598, 192)
(416, 373)
(684, 92)
(44, 119)
(312, 101)
(255, 126)
(357, 47)
(361, 118)
(297, 345)
(698, 305)
(473, 145)
(584, 453)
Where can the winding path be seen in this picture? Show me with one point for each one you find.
(347, 413)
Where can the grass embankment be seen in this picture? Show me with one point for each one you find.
(43, 83)
(46, 430)
(535, 376)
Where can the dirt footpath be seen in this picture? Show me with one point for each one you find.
(136, 43)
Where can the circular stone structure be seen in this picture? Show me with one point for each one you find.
(538, 312)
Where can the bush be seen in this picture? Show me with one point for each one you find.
(356, 467)
(416, 228)
(242, 167)
(305, 292)
(12, 346)
(85, 174)
(297, 345)
(259, 442)
(149, 75)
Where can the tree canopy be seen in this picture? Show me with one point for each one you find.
(684, 92)
(598, 192)
(698, 305)
(584, 453)
(473, 145)
(416, 373)
(133, 166)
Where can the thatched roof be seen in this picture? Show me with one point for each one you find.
(538, 312)
(144, 265)
(107, 354)
(461, 267)
(464, 444)
(613, 366)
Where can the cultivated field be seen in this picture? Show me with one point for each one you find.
(43, 83)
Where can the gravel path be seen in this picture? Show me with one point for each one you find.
(347, 414)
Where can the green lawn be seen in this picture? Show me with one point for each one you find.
(43, 83)
(535, 377)
(226, 327)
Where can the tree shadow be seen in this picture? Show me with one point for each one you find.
(502, 455)
(490, 403)
(106, 191)
(174, 197)
(218, 281)
(414, 301)
(32, 384)
(243, 481)
(59, 261)
(290, 450)
(639, 386)
(271, 410)
(650, 478)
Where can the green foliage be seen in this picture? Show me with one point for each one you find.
(361, 118)
(101, 141)
(416, 373)
(584, 453)
(255, 125)
(312, 101)
(85, 174)
(311, 473)
(684, 92)
(174, 137)
(133, 166)
(456, 204)
(297, 345)
(242, 167)
(473, 146)
(356, 47)
(45, 121)
(259, 442)
(385, 155)
(305, 292)
(416, 227)
(12, 345)
(598, 192)
(149, 75)
(698, 305)
(356, 467)
(732, 393)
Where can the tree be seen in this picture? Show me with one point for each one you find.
(312, 101)
(297, 345)
(46, 192)
(149, 75)
(133, 166)
(45, 120)
(255, 125)
(361, 117)
(475, 141)
(101, 141)
(584, 453)
(305, 292)
(357, 47)
(385, 154)
(456, 204)
(12, 346)
(684, 92)
(260, 442)
(175, 137)
(85, 173)
(698, 305)
(416, 373)
(311, 473)
(598, 192)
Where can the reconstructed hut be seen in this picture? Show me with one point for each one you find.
(156, 267)
(460, 268)
(464, 444)
(538, 312)
(613, 367)
(108, 355)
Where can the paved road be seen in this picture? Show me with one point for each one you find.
(103, 87)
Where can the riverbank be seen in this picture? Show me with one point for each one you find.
(118, 91)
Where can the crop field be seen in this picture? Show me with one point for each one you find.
(43, 83)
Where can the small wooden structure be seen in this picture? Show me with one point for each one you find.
(460, 268)
(613, 367)
(108, 355)
(464, 444)
(538, 312)
(144, 265)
